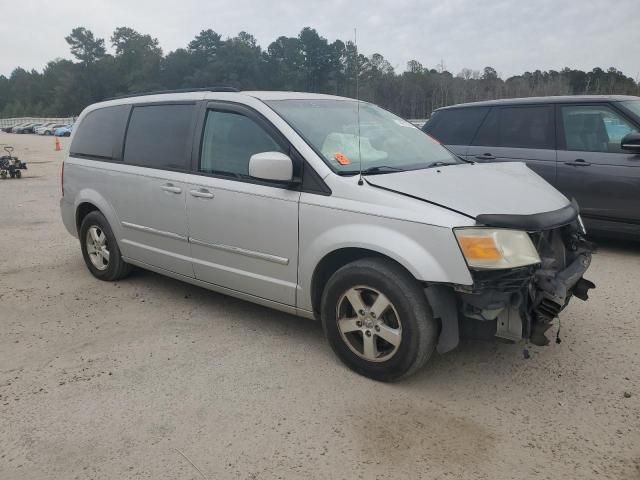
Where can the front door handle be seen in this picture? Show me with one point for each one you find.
(171, 188)
(578, 162)
(486, 156)
(201, 193)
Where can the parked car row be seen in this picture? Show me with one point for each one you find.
(49, 128)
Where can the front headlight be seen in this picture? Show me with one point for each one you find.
(496, 248)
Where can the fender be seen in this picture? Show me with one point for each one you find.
(429, 253)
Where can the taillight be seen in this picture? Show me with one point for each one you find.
(62, 178)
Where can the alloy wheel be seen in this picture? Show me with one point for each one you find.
(97, 247)
(369, 323)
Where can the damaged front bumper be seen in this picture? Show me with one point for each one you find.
(518, 303)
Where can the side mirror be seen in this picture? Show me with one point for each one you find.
(271, 166)
(631, 142)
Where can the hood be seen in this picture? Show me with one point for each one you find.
(508, 188)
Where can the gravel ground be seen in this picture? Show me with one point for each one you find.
(126, 380)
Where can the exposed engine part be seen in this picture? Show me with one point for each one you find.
(509, 324)
(565, 257)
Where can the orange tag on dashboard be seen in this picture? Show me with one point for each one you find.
(342, 159)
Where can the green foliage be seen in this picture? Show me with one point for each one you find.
(307, 62)
(84, 46)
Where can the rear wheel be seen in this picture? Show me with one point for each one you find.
(377, 319)
(100, 249)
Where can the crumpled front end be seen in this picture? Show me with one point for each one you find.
(565, 256)
(518, 303)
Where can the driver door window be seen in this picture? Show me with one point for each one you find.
(594, 128)
(229, 141)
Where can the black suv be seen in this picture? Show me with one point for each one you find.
(588, 147)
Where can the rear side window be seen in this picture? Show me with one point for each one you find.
(100, 133)
(456, 126)
(159, 136)
(229, 141)
(518, 127)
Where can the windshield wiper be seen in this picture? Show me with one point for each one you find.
(440, 164)
(381, 169)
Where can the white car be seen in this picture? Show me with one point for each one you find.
(47, 128)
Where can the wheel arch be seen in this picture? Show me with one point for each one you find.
(87, 201)
(336, 259)
(84, 209)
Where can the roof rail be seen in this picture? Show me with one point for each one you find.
(179, 90)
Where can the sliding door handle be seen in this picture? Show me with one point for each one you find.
(578, 162)
(201, 193)
(486, 156)
(171, 188)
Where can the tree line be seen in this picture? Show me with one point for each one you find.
(307, 62)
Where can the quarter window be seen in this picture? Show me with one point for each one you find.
(518, 127)
(594, 128)
(100, 133)
(159, 136)
(455, 126)
(229, 141)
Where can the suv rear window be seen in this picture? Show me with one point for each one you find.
(159, 136)
(100, 133)
(455, 126)
(518, 127)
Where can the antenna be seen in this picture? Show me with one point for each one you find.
(355, 43)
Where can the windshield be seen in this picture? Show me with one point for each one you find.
(633, 106)
(386, 143)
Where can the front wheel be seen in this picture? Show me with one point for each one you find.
(377, 319)
(100, 249)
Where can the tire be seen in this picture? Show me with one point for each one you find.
(111, 269)
(18, 174)
(407, 320)
(66, 134)
(47, 132)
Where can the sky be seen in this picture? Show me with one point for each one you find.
(511, 36)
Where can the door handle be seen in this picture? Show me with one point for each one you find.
(171, 188)
(201, 193)
(486, 156)
(579, 162)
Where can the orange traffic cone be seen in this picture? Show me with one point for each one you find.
(58, 146)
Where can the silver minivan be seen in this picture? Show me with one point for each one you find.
(326, 208)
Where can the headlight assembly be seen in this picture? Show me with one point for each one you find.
(496, 248)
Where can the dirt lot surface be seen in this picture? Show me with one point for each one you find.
(123, 380)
